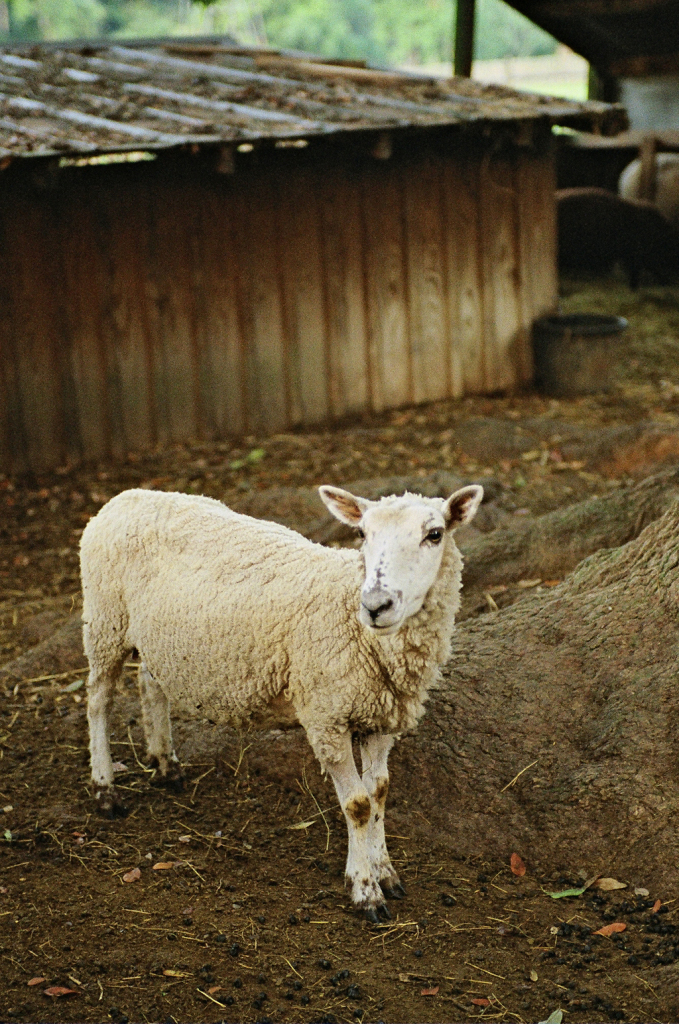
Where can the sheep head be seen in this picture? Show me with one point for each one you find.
(403, 543)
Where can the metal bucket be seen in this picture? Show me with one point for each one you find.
(575, 354)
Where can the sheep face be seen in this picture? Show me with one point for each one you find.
(403, 544)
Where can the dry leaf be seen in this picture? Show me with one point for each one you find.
(175, 974)
(433, 991)
(214, 988)
(533, 975)
(185, 839)
(517, 865)
(58, 990)
(35, 981)
(163, 865)
(656, 906)
(132, 876)
(611, 929)
(528, 584)
(404, 977)
(639, 891)
(481, 1002)
(118, 766)
(608, 884)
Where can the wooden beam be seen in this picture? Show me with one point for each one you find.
(464, 38)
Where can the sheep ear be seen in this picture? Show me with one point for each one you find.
(344, 506)
(462, 506)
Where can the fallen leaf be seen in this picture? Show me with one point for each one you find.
(185, 839)
(481, 1002)
(554, 1018)
(656, 906)
(58, 990)
(214, 988)
(434, 991)
(611, 929)
(517, 866)
(163, 865)
(175, 974)
(132, 876)
(35, 981)
(79, 835)
(608, 884)
(573, 892)
(533, 975)
(528, 584)
(118, 766)
(8, 809)
(640, 891)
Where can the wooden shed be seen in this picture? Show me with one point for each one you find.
(198, 241)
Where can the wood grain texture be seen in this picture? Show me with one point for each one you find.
(343, 269)
(426, 275)
(386, 263)
(166, 303)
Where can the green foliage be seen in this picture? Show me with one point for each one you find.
(387, 31)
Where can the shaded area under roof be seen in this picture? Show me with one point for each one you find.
(92, 98)
(619, 37)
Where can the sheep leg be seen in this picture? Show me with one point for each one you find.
(355, 803)
(375, 750)
(101, 686)
(155, 712)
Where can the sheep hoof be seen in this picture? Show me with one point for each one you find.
(173, 779)
(377, 914)
(393, 892)
(110, 803)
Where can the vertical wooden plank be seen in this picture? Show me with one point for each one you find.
(29, 224)
(13, 449)
(504, 331)
(304, 300)
(342, 241)
(221, 366)
(170, 299)
(260, 300)
(387, 287)
(428, 311)
(122, 225)
(460, 195)
(86, 290)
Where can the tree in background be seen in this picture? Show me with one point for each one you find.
(387, 31)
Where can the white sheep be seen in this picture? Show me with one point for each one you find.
(248, 623)
(666, 190)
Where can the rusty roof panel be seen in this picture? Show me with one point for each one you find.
(99, 98)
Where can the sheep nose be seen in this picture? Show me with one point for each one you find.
(375, 603)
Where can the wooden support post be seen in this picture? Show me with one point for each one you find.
(464, 38)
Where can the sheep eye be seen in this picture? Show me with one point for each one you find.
(360, 533)
(434, 536)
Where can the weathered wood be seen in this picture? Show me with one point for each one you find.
(173, 337)
(299, 232)
(502, 321)
(460, 193)
(431, 374)
(36, 281)
(386, 264)
(255, 234)
(163, 303)
(343, 255)
(129, 349)
(217, 310)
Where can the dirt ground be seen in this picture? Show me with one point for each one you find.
(238, 911)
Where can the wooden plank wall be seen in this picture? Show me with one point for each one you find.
(159, 303)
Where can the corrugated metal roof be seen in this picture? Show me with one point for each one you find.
(96, 98)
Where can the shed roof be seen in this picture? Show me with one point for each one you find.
(94, 98)
(622, 37)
